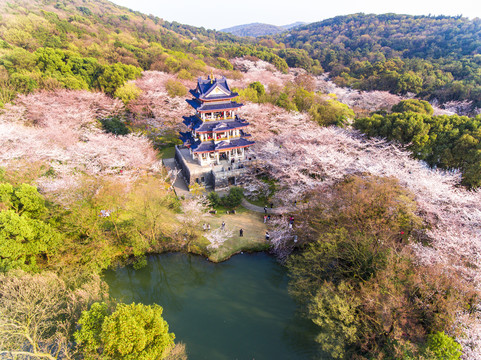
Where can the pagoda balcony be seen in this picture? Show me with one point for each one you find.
(225, 115)
(220, 138)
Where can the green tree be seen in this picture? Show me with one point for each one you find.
(331, 112)
(24, 236)
(258, 87)
(127, 93)
(234, 198)
(443, 346)
(23, 240)
(130, 332)
(413, 105)
(114, 76)
(175, 88)
(26, 200)
(114, 126)
(334, 310)
(225, 64)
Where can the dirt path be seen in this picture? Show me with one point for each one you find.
(259, 209)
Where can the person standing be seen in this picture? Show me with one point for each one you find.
(208, 227)
(265, 209)
(241, 232)
(267, 235)
(223, 225)
(265, 218)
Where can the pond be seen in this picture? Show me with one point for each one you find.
(238, 309)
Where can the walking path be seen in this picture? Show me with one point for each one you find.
(180, 187)
(259, 209)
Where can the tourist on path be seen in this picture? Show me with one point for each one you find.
(241, 232)
(204, 227)
(208, 227)
(267, 235)
(265, 209)
(223, 225)
(265, 218)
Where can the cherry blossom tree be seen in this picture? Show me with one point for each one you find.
(302, 157)
(218, 236)
(60, 130)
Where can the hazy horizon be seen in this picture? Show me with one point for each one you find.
(215, 14)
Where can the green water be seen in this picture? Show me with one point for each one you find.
(238, 309)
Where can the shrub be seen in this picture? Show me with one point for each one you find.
(413, 105)
(127, 93)
(331, 112)
(213, 198)
(184, 75)
(443, 346)
(234, 198)
(175, 88)
(258, 87)
(225, 64)
(114, 126)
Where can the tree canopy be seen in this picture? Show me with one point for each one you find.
(134, 331)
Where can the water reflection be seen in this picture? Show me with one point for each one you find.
(238, 309)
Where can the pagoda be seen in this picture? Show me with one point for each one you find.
(217, 141)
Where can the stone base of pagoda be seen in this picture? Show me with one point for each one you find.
(213, 176)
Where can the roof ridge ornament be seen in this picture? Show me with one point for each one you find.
(211, 76)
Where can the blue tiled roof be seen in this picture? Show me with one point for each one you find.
(213, 97)
(236, 143)
(213, 106)
(206, 86)
(200, 147)
(219, 126)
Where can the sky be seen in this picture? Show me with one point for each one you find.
(216, 14)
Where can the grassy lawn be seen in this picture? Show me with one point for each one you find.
(223, 210)
(167, 152)
(254, 233)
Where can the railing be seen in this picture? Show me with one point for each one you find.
(221, 138)
(236, 166)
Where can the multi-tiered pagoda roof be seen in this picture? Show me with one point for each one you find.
(215, 127)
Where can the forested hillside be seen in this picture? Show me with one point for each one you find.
(254, 29)
(259, 29)
(92, 95)
(93, 45)
(433, 57)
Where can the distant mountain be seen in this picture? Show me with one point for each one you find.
(293, 25)
(260, 29)
(431, 56)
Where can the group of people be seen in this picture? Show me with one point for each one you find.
(265, 208)
(222, 226)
